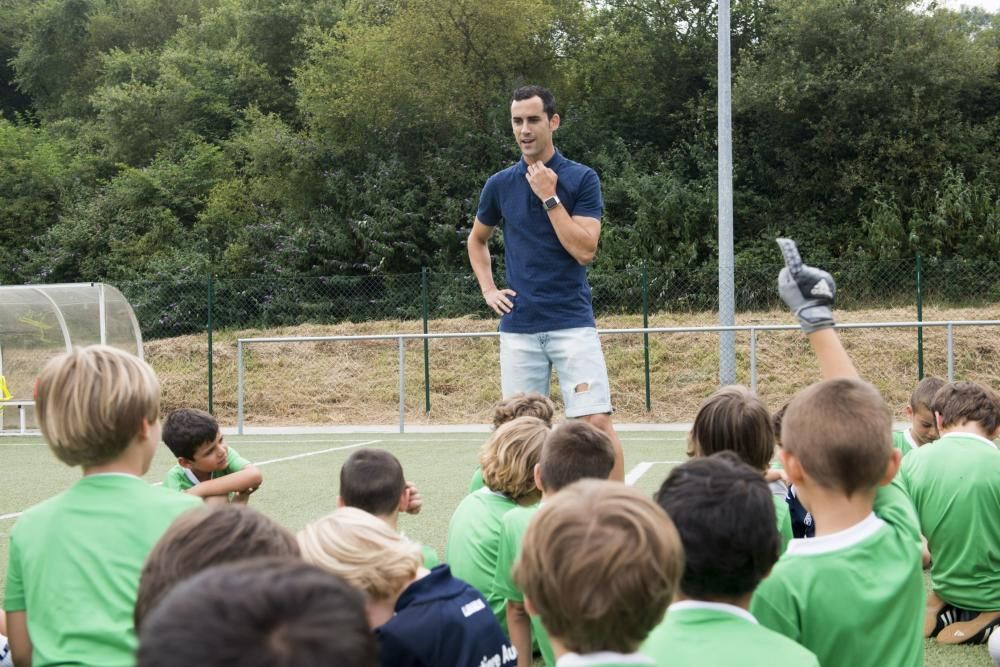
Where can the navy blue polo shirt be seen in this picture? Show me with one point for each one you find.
(442, 621)
(552, 289)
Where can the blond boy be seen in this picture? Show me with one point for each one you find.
(521, 404)
(75, 559)
(854, 593)
(954, 484)
(599, 565)
(420, 616)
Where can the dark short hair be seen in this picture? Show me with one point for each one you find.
(372, 480)
(575, 450)
(960, 402)
(734, 419)
(204, 537)
(926, 389)
(527, 92)
(259, 613)
(776, 419)
(187, 429)
(724, 513)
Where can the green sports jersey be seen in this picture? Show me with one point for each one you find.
(474, 543)
(954, 484)
(604, 659)
(866, 582)
(784, 518)
(515, 524)
(904, 442)
(74, 567)
(182, 479)
(431, 558)
(696, 633)
(476, 482)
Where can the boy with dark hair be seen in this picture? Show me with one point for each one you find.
(923, 427)
(860, 577)
(272, 612)
(599, 565)
(206, 466)
(572, 451)
(201, 538)
(372, 480)
(726, 555)
(954, 484)
(75, 558)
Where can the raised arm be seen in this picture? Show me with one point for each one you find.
(809, 293)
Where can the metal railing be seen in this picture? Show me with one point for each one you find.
(753, 329)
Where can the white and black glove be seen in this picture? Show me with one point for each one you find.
(806, 290)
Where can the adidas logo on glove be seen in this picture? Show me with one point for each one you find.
(822, 289)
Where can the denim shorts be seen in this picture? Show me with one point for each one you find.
(526, 362)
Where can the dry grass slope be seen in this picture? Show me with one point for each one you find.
(356, 383)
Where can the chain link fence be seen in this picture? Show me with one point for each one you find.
(180, 318)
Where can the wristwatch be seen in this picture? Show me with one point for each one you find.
(551, 202)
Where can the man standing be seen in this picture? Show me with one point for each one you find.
(551, 208)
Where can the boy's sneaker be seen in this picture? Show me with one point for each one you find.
(975, 630)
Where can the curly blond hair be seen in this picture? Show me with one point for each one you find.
(531, 404)
(508, 458)
(362, 549)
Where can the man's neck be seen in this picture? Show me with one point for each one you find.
(833, 512)
(544, 157)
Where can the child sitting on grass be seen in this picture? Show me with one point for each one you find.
(923, 426)
(954, 484)
(201, 538)
(372, 480)
(599, 565)
(206, 466)
(75, 558)
(726, 555)
(531, 404)
(734, 419)
(572, 451)
(854, 594)
(420, 617)
(265, 612)
(508, 460)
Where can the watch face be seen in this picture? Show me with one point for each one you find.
(551, 203)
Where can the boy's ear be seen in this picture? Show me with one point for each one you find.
(530, 608)
(793, 469)
(538, 477)
(404, 499)
(909, 411)
(184, 462)
(893, 467)
(340, 502)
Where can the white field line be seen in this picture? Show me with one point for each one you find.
(636, 473)
(14, 515)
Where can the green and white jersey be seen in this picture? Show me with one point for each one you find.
(515, 525)
(784, 518)
(74, 567)
(604, 659)
(904, 442)
(474, 544)
(431, 558)
(954, 484)
(696, 633)
(863, 582)
(476, 482)
(180, 478)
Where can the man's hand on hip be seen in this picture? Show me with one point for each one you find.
(500, 300)
(542, 180)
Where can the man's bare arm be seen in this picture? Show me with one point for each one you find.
(479, 257)
(578, 234)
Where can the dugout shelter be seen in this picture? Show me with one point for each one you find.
(38, 322)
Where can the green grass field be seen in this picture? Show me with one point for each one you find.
(301, 479)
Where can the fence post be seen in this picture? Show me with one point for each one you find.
(425, 299)
(920, 318)
(645, 335)
(211, 303)
(239, 386)
(402, 384)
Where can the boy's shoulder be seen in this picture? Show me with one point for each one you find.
(516, 520)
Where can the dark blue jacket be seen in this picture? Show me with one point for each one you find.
(442, 621)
